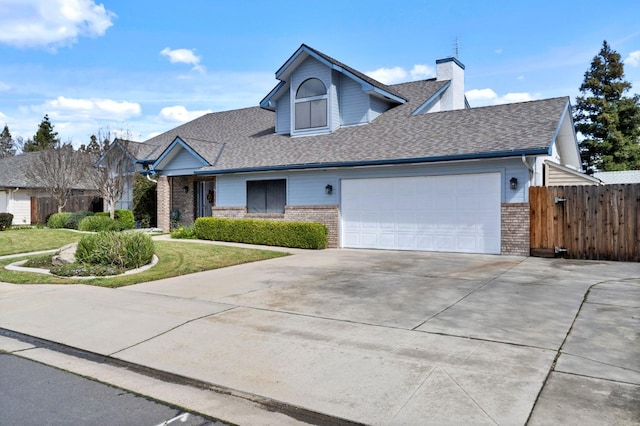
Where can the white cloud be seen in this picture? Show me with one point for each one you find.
(4, 87)
(92, 108)
(51, 23)
(497, 51)
(183, 56)
(515, 97)
(179, 114)
(483, 97)
(634, 59)
(421, 72)
(388, 75)
(398, 74)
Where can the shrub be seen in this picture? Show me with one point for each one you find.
(121, 250)
(74, 219)
(185, 232)
(58, 220)
(144, 201)
(267, 232)
(103, 214)
(5, 221)
(98, 223)
(125, 217)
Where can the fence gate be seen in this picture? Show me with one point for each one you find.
(586, 222)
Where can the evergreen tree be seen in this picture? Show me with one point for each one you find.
(608, 120)
(44, 138)
(93, 147)
(7, 146)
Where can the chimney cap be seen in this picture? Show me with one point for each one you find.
(450, 59)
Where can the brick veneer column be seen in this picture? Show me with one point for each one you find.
(327, 215)
(164, 203)
(515, 229)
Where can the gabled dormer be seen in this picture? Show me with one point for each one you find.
(318, 95)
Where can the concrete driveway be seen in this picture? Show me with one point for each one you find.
(376, 337)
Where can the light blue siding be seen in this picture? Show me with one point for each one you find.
(283, 114)
(308, 187)
(312, 68)
(183, 163)
(378, 106)
(354, 103)
(334, 97)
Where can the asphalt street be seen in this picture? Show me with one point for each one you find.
(34, 393)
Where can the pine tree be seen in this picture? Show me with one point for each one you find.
(608, 120)
(93, 147)
(44, 138)
(7, 146)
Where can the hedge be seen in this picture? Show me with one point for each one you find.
(99, 223)
(58, 220)
(75, 218)
(123, 217)
(5, 221)
(266, 232)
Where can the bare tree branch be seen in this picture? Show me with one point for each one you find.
(114, 173)
(59, 170)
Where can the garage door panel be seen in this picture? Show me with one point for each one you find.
(436, 213)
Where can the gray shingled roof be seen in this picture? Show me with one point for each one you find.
(357, 73)
(621, 177)
(397, 135)
(12, 172)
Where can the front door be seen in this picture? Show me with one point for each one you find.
(206, 198)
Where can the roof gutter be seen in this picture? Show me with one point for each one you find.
(414, 160)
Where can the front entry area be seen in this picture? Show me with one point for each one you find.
(205, 198)
(452, 213)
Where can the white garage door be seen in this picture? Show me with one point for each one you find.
(459, 213)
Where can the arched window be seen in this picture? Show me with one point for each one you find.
(311, 105)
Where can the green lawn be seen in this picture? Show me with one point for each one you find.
(175, 258)
(27, 240)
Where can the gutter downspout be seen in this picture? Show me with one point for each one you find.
(532, 172)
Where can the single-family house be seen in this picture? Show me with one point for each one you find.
(407, 166)
(21, 197)
(618, 177)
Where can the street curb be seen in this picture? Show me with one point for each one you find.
(299, 413)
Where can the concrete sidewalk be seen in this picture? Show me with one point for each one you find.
(369, 336)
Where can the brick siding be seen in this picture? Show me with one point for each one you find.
(183, 201)
(515, 229)
(164, 203)
(327, 215)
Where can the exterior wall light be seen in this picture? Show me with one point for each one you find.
(328, 189)
(185, 188)
(513, 183)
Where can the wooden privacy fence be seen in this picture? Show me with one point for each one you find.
(586, 222)
(43, 207)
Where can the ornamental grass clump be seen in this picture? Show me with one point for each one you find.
(126, 250)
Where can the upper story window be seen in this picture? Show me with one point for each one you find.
(311, 105)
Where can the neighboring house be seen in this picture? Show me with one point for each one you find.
(621, 177)
(406, 167)
(554, 174)
(19, 196)
(132, 150)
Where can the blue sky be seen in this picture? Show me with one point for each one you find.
(142, 67)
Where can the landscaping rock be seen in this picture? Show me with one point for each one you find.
(66, 255)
